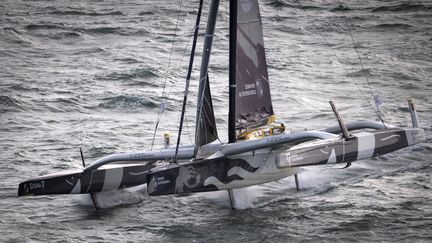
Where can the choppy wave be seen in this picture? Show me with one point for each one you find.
(360, 73)
(84, 13)
(128, 60)
(403, 7)
(341, 7)
(25, 88)
(123, 102)
(48, 26)
(299, 5)
(15, 30)
(113, 30)
(9, 103)
(146, 13)
(139, 73)
(58, 105)
(102, 30)
(14, 35)
(387, 26)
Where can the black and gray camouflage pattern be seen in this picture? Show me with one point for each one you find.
(228, 173)
(86, 182)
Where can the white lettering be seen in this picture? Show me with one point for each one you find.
(161, 181)
(247, 93)
(37, 185)
(250, 86)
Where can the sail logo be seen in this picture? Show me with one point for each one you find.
(259, 88)
(249, 90)
(246, 5)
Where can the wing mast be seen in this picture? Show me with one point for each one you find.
(205, 122)
(232, 70)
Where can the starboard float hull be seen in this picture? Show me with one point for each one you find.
(263, 166)
(79, 182)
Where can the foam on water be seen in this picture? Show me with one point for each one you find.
(115, 198)
(244, 197)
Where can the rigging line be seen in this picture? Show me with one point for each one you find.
(177, 71)
(163, 101)
(172, 84)
(191, 35)
(361, 63)
(339, 60)
(188, 78)
(356, 50)
(187, 129)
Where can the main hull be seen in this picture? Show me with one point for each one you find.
(274, 163)
(216, 174)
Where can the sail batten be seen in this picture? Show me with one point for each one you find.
(249, 21)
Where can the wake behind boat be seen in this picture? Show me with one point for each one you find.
(259, 150)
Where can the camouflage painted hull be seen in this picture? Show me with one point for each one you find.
(79, 182)
(265, 165)
(230, 166)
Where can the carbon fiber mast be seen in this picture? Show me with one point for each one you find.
(232, 80)
(206, 131)
(232, 70)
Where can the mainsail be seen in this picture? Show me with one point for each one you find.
(253, 107)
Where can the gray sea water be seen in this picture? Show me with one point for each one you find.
(91, 74)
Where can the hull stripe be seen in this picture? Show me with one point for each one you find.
(366, 145)
(113, 179)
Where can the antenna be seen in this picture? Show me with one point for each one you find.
(82, 157)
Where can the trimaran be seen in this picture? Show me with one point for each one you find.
(258, 151)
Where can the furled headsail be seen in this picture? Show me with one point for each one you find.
(253, 107)
(206, 123)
